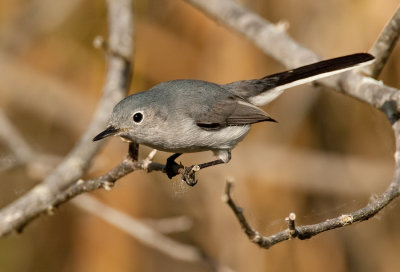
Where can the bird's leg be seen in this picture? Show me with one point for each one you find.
(171, 167)
(208, 164)
(188, 175)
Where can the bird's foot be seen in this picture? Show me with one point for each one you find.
(188, 175)
(172, 168)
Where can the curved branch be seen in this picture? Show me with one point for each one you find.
(308, 231)
(17, 214)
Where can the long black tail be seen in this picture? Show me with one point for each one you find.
(262, 91)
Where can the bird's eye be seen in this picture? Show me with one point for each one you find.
(138, 117)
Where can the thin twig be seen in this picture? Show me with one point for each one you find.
(253, 235)
(105, 181)
(308, 231)
(290, 220)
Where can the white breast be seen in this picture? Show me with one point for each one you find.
(188, 137)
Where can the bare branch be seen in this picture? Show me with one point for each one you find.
(133, 227)
(105, 181)
(16, 215)
(308, 231)
(253, 235)
(384, 45)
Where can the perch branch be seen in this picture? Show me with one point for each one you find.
(107, 180)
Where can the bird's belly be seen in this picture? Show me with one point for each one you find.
(196, 139)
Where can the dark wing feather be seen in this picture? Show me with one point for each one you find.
(232, 111)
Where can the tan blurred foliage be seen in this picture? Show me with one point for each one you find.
(327, 155)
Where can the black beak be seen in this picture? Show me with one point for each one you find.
(107, 132)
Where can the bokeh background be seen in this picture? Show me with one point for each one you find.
(328, 155)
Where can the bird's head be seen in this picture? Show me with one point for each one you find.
(133, 119)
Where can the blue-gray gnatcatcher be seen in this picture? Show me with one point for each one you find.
(182, 116)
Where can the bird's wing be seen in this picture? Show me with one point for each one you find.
(231, 111)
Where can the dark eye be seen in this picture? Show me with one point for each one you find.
(137, 117)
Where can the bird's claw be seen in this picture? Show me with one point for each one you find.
(188, 175)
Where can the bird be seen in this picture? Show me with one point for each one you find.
(188, 115)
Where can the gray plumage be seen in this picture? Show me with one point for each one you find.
(183, 116)
(186, 116)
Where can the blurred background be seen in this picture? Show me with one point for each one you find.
(328, 155)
